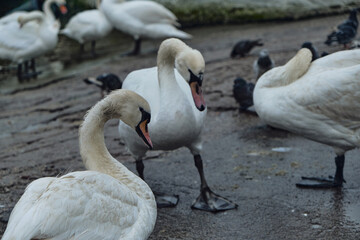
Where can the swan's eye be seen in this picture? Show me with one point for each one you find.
(145, 116)
(194, 78)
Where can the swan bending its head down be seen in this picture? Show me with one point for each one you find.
(178, 110)
(142, 19)
(106, 202)
(318, 100)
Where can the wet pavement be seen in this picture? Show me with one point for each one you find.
(246, 161)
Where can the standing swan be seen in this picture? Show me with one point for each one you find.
(106, 202)
(88, 26)
(179, 111)
(318, 100)
(142, 19)
(33, 37)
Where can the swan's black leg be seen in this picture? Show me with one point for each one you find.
(81, 51)
(208, 200)
(34, 74)
(140, 168)
(26, 67)
(335, 182)
(162, 200)
(19, 72)
(136, 50)
(93, 44)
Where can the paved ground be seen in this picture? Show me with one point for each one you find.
(39, 128)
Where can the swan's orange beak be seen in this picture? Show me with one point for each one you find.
(197, 95)
(142, 131)
(63, 9)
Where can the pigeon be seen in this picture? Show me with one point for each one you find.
(312, 48)
(262, 64)
(345, 32)
(243, 93)
(106, 82)
(244, 47)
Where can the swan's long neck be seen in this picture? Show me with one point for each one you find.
(290, 72)
(47, 10)
(95, 155)
(167, 54)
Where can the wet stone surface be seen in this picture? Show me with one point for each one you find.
(254, 165)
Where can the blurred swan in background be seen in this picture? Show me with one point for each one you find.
(142, 19)
(88, 26)
(106, 202)
(26, 35)
(318, 100)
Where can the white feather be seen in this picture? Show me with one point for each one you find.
(142, 19)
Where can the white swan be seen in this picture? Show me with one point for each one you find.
(318, 100)
(12, 17)
(88, 26)
(106, 202)
(34, 36)
(142, 19)
(178, 111)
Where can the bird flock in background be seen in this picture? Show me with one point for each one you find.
(163, 108)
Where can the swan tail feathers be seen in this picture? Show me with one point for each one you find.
(181, 35)
(65, 32)
(25, 229)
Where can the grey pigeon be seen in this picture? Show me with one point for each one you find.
(262, 64)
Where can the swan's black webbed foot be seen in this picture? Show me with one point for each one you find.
(211, 202)
(165, 201)
(314, 182)
(336, 182)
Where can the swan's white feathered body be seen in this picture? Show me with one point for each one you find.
(32, 40)
(90, 25)
(36, 37)
(108, 203)
(82, 205)
(175, 122)
(318, 100)
(142, 19)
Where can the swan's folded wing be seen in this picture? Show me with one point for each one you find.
(333, 95)
(87, 17)
(78, 204)
(336, 60)
(148, 12)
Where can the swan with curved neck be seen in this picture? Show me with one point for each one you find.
(178, 110)
(20, 44)
(318, 100)
(105, 202)
(88, 26)
(142, 19)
